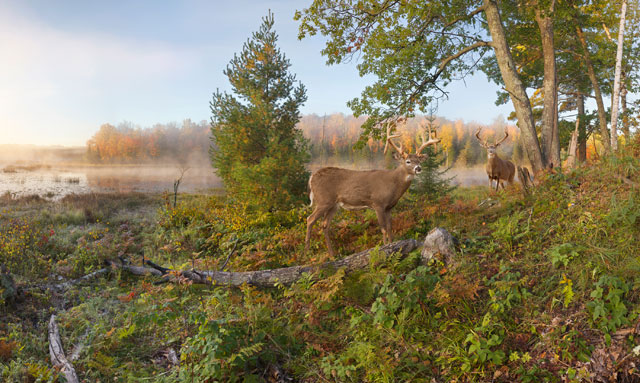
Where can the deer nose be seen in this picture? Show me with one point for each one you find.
(417, 169)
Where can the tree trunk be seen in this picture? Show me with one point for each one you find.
(623, 109)
(549, 135)
(582, 129)
(513, 85)
(602, 116)
(616, 82)
(573, 147)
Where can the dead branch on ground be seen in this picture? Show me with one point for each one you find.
(57, 353)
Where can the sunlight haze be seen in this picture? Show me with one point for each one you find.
(70, 67)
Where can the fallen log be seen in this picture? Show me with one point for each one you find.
(67, 284)
(57, 353)
(271, 277)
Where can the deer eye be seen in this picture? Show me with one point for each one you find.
(408, 162)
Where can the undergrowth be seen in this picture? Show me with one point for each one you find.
(539, 284)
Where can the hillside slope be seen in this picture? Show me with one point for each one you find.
(543, 287)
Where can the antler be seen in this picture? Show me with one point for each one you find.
(482, 143)
(389, 137)
(506, 134)
(431, 141)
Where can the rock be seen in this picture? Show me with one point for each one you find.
(438, 241)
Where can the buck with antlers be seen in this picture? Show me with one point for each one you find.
(497, 168)
(379, 190)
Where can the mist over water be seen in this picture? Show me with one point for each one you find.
(57, 181)
(53, 173)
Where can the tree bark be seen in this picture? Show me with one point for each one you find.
(573, 147)
(57, 353)
(513, 85)
(549, 134)
(616, 82)
(602, 116)
(271, 277)
(623, 109)
(582, 129)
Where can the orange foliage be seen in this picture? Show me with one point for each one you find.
(132, 144)
(6, 349)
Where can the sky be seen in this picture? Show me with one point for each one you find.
(67, 67)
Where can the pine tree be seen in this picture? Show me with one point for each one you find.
(431, 182)
(259, 153)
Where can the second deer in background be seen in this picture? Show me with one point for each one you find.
(497, 168)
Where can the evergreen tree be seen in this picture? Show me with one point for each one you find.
(431, 182)
(260, 155)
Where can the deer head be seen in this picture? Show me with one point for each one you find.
(491, 148)
(410, 161)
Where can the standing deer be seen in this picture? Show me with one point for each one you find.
(379, 189)
(497, 168)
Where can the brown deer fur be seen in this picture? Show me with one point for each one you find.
(379, 190)
(497, 168)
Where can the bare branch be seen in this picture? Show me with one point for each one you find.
(470, 15)
(57, 353)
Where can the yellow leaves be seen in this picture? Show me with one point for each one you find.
(520, 48)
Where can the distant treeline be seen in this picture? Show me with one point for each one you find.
(126, 143)
(331, 137)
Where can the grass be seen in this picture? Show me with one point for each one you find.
(540, 284)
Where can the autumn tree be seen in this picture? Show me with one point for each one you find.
(260, 155)
(414, 49)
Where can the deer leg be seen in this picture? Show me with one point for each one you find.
(382, 221)
(311, 220)
(497, 184)
(388, 222)
(328, 215)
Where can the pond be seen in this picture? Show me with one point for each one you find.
(56, 181)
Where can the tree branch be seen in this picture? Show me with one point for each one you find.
(470, 15)
(454, 56)
(57, 353)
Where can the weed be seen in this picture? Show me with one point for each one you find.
(607, 307)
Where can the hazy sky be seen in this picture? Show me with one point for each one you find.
(67, 67)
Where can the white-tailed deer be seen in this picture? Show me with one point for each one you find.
(379, 190)
(497, 168)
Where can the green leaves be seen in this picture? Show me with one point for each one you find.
(563, 254)
(412, 48)
(258, 152)
(607, 308)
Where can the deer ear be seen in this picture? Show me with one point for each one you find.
(397, 156)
